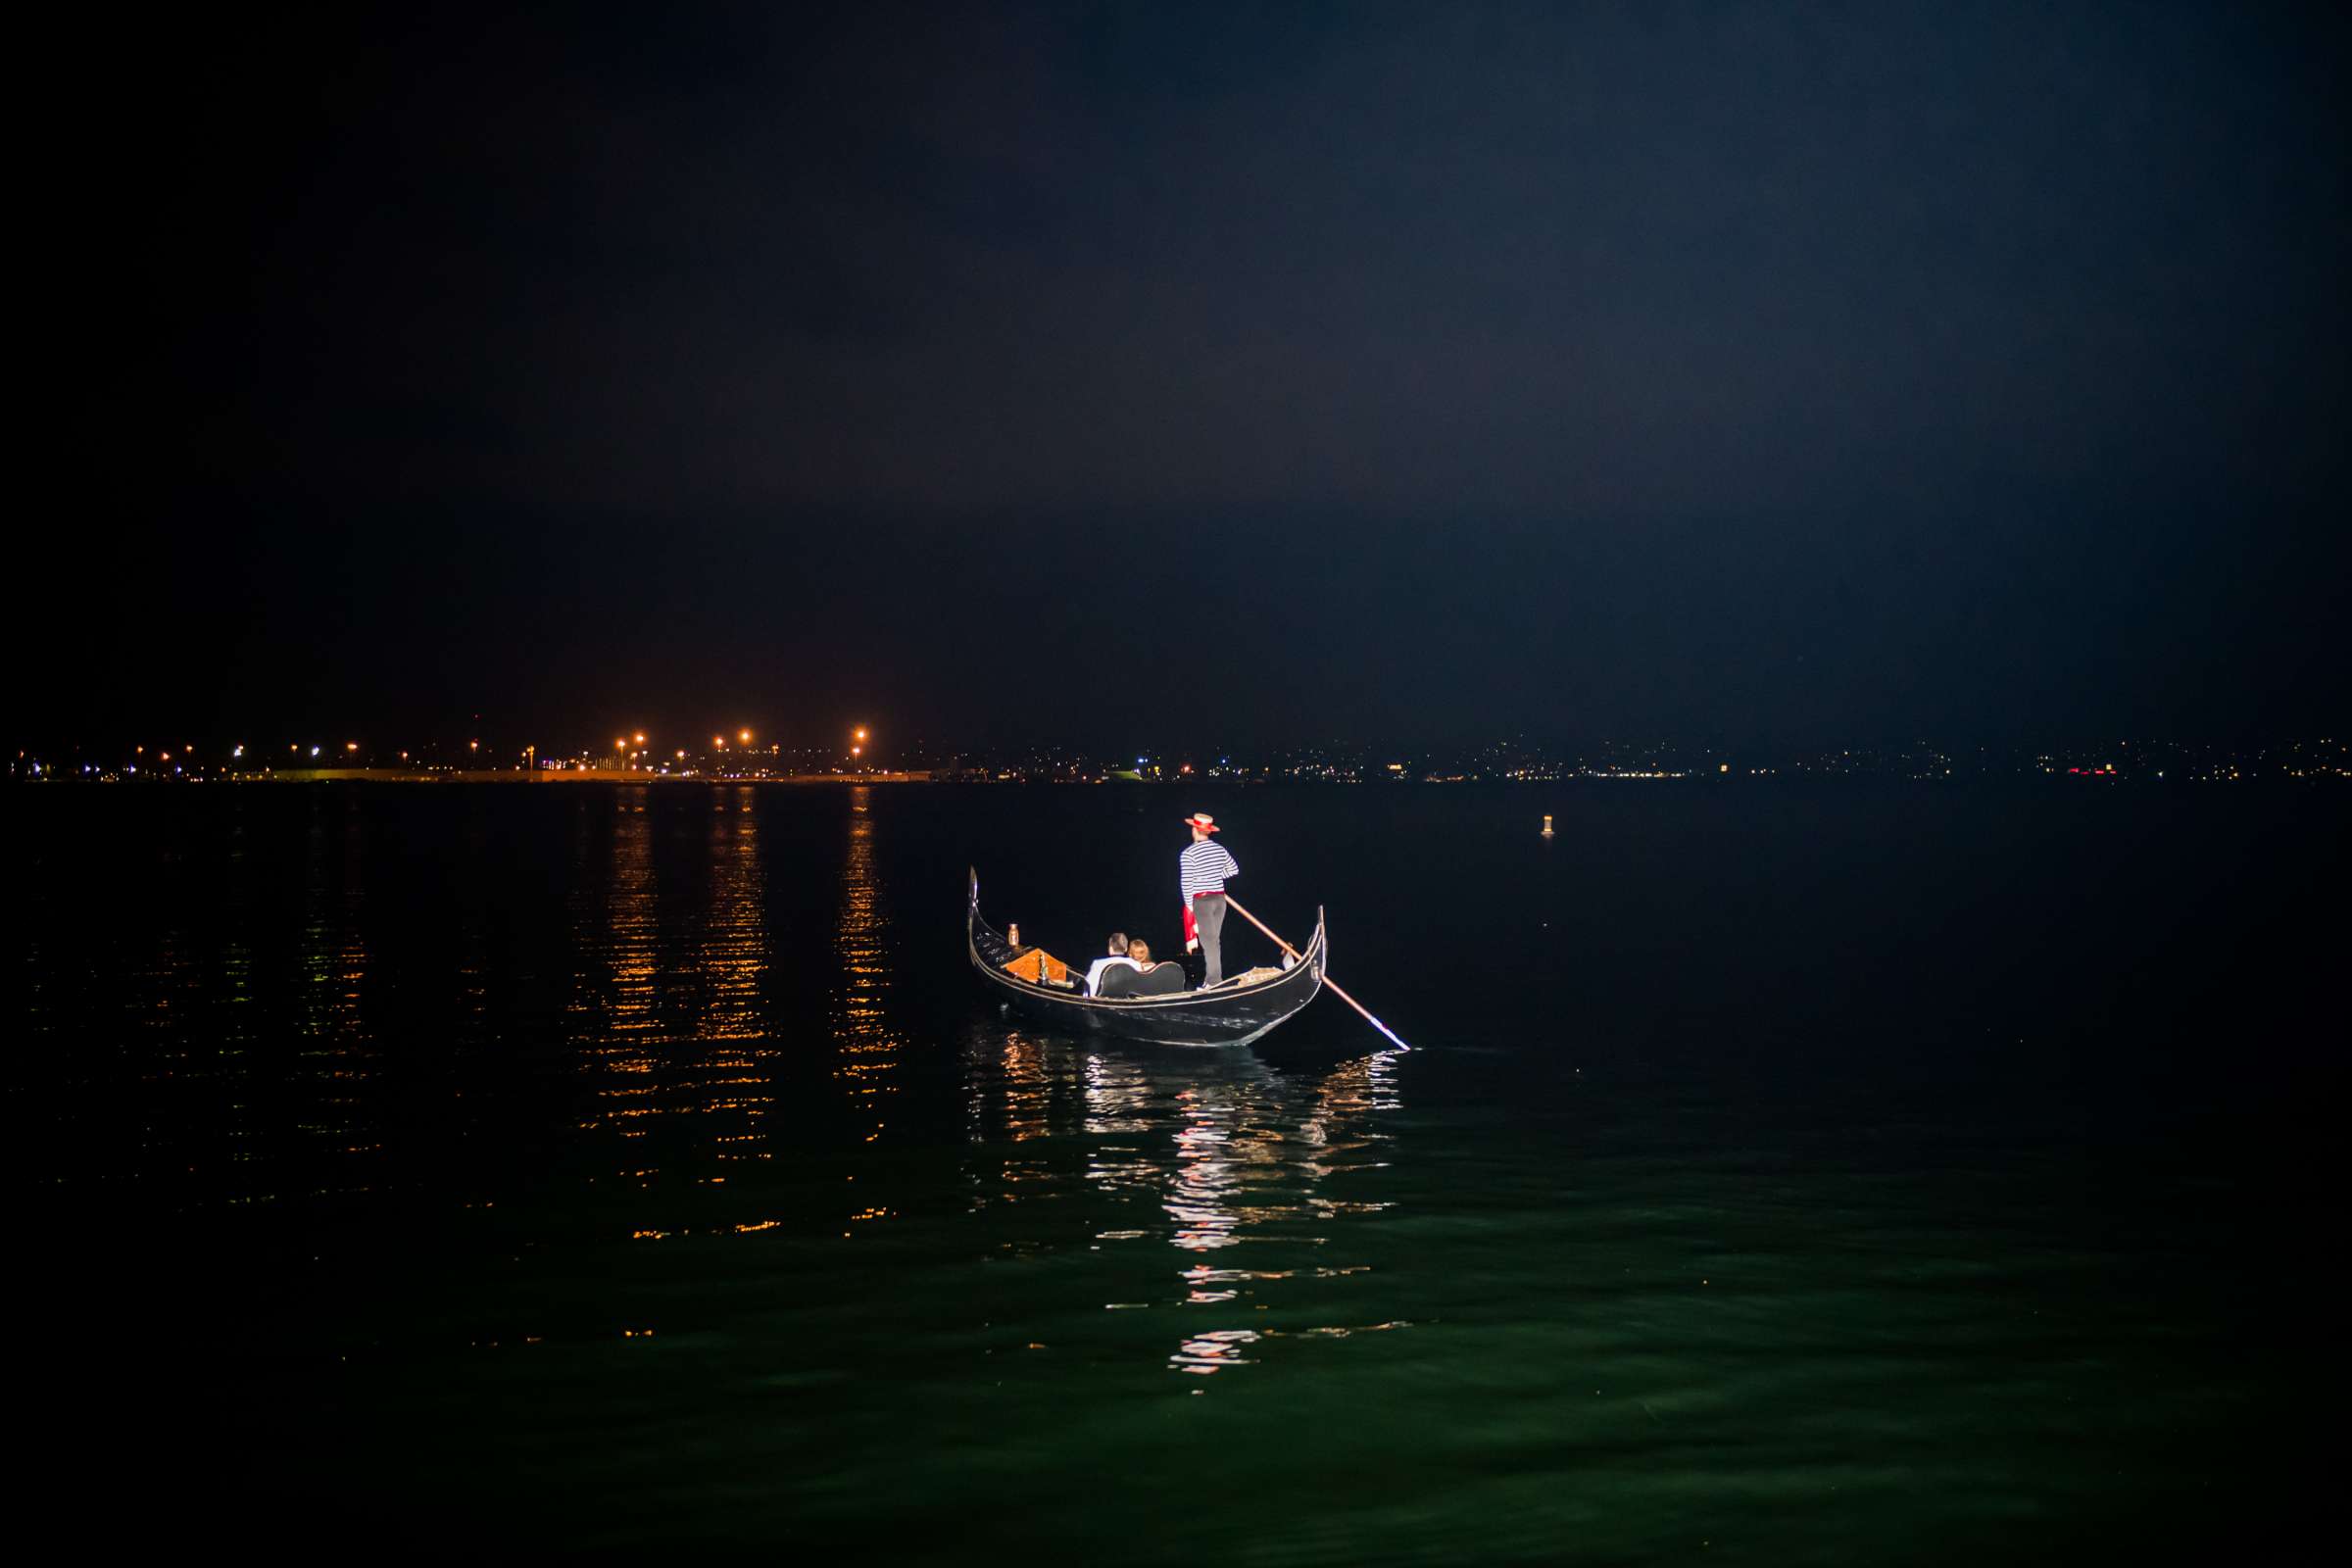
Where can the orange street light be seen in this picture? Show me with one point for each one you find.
(743, 737)
(861, 732)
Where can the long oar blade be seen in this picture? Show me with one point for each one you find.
(1368, 1018)
(1329, 984)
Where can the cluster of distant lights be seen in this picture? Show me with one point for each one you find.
(630, 748)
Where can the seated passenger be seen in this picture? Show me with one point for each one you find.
(1148, 979)
(1100, 966)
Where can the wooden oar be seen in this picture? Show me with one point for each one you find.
(1329, 984)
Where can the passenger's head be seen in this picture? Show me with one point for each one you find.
(1118, 942)
(1140, 951)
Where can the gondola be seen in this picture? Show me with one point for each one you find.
(1233, 1015)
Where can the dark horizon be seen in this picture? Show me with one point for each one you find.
(1513, 761)
(1791, 377)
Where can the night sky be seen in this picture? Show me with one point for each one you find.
(1134, 374)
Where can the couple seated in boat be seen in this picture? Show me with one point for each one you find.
(1128, 971)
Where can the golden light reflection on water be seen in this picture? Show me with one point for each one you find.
(735, 936)
(336, 1058)
(667, 1009)
(614, 1022)
(736, 1055)
(869, 1051)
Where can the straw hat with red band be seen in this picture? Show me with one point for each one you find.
(1201, 821)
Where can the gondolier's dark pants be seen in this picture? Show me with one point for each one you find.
(1208, 914)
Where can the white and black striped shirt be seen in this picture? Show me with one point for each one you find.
(1204, 868)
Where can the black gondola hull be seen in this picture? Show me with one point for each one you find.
(1226, 1016)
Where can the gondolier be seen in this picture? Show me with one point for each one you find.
(1201, 871)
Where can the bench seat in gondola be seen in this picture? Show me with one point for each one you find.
(1164, 980)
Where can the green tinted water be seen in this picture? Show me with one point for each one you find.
(1779, 1180)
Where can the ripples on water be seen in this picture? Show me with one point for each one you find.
(1204, 1161)
(609, 1166)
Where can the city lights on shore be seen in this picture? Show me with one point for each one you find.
(732, 757)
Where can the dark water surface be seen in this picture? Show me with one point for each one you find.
(1788, 1173)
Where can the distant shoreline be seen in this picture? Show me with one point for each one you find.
(552, 775)
(393, 775)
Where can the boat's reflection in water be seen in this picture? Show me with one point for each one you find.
(1251, 1175)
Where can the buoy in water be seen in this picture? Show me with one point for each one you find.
(1547, 827)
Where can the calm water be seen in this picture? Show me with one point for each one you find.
(1791, 1173)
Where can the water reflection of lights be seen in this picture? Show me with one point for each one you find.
(733, 954)
(1252, 1161)
(1214, 1352)
(1217, 1156)
(1028, 1088)
(732, 959)
(1117, 1097)
(1204, 1186)
(867, 1050)
(612, 1011)
(666, 1008)
(336, 1054)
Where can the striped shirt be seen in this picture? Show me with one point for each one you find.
(1202, 868)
